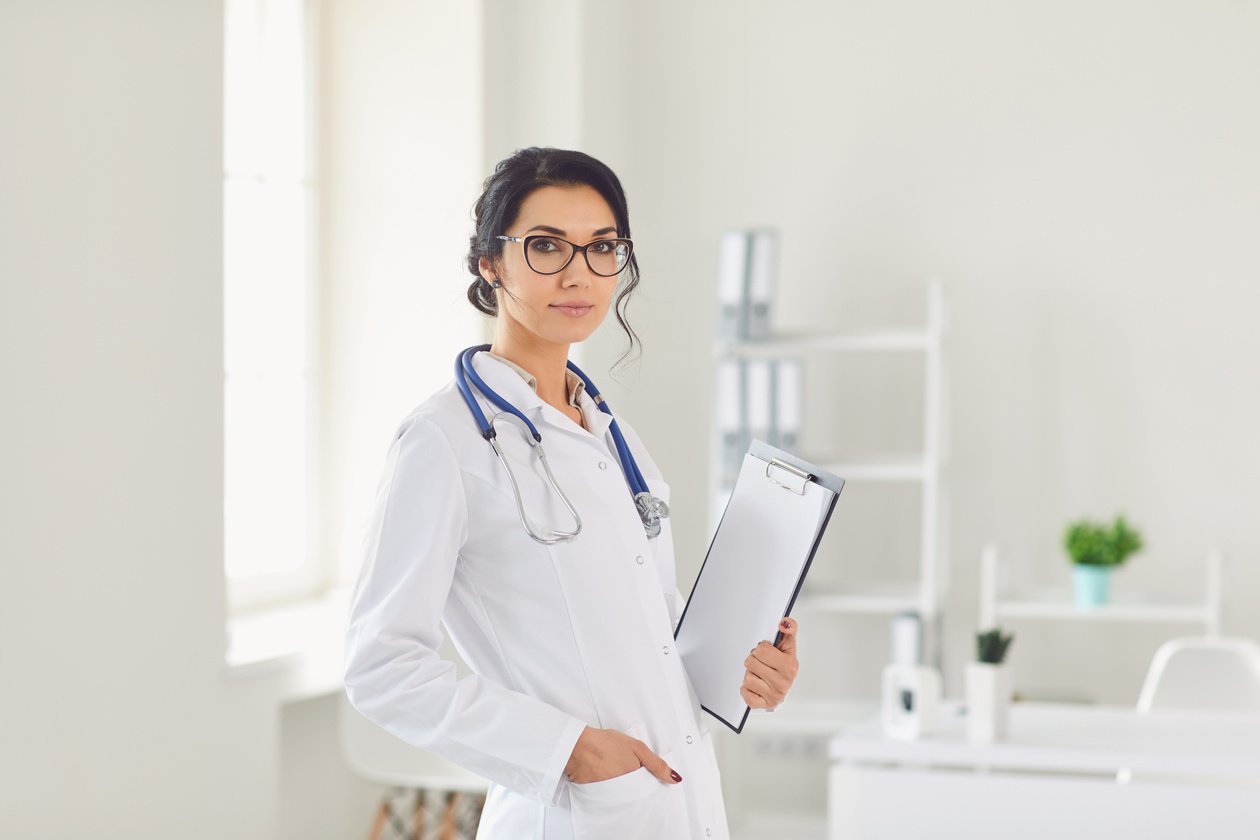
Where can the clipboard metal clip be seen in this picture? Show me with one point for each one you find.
(799, 478)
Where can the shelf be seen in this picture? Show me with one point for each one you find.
(879, 468)
(793, 344)
(1051, 605)
(866, 599)
(920, 470)
(1063, 609)
(892, 469)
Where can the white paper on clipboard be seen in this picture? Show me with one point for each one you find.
(753, 572)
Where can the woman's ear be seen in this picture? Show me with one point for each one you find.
(487, 273)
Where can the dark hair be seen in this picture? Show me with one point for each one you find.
(513, 179)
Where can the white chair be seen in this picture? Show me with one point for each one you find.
(446, 798)
(1206, 673)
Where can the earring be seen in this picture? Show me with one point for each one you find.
(496, 285)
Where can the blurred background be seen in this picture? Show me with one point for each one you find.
(232, 242)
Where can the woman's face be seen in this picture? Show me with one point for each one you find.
(560, 308)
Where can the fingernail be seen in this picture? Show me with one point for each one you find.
(675, 776)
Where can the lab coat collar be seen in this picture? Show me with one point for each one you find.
(573, 384)
(510, 385)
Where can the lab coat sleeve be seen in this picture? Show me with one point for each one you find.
(393, 673)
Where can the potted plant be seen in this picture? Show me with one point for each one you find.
(1095, 550)
(989, 687)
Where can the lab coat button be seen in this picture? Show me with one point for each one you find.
(639, 559)
(688, 739)
(665, 650)
(603, 465)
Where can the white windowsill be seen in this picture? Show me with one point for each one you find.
(300, 645)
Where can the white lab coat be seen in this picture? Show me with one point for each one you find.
(558, 637)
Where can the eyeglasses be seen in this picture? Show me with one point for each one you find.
(550, 254)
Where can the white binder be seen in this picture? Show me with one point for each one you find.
(761, 258)
(753, 572)
(733, 286)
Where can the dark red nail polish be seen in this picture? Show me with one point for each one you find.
(675, 776)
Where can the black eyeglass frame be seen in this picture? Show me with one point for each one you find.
(525, 240)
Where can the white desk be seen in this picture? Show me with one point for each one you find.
(1194, 775)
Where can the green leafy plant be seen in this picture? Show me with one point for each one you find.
(991, 646)
(1095, 544)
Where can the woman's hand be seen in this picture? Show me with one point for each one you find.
(771, 670)
(606, 753)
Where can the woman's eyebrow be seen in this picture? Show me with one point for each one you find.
(559, 232)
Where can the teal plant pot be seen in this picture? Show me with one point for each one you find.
(1092, 585)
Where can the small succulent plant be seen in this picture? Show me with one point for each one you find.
(991, 646)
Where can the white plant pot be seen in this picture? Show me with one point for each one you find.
(988, 701)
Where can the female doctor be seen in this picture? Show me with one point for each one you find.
(578, 709)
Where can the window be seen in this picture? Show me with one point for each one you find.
(269, 304)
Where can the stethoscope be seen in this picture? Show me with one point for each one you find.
(651, 509)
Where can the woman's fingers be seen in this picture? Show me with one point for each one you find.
(602, 754)
(753, 699)
(656, 765)
(788, 627)
(767, 674)
(772, 665)
(771, 669)
(760, 688)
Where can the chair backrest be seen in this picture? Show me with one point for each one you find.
(380, 756)
(1207, 673)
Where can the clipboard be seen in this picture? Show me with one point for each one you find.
(752, 573)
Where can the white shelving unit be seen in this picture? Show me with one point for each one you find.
(1058, 605)
(807, 722)
(924, 595)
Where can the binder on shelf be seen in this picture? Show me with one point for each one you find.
(730, 417)
(759, 398)
(762, 250)
(787, 404)
(733, 286)
(753, 572)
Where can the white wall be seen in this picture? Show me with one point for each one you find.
(1083, 177)
(400, 166)
(116, 717)
(115, 720)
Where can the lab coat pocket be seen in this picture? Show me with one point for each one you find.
(632, 806)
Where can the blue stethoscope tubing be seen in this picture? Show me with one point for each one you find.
(651, 509)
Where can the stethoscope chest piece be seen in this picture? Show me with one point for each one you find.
(651, 510)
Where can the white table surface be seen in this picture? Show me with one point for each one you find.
(1075, 738)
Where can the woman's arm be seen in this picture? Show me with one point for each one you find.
(393, 673)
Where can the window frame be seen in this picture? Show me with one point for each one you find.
(311, 577)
